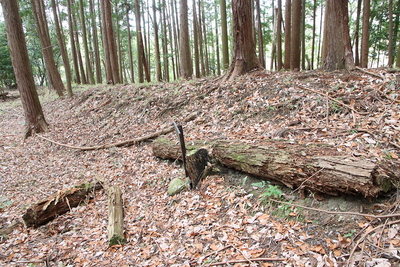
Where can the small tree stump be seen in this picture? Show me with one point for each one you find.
(115, 217)
(197, 166)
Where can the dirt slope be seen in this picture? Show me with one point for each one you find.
(226, 220)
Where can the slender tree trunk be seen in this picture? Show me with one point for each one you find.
(365, 34)
(218, 60)
(165, 42)
(47, 49)
(186, 69)
(279, 36)
(95, 43)
(303, 35)
(34, 117)
(107, 60)
(196, 42)
(357, 34)
(391, 48)
(288, 33)
(201, 45)
(111, 44)
(224, 35)
(89, 70)
(206, 60)
(295, 38)
(313, 33)
(63, 50)
(130, 55)
(156, 44)
(78, 50)
(72, 43)
(260, 35)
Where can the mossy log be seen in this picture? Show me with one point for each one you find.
(57, 204)
(115, 216)
(317, 168)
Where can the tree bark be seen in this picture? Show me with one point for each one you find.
(57, 204)
(245, 58)
(336, 47)
(365, 34)
(288, 26)
(224, 35)
(72, 43)
(295, 38)
(320, 169)
(34, 118)
(186, 66)
(89, 70)
(63, 49)
(47, 49)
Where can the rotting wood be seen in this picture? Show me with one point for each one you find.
(316, 168)
(57, 204)
(115, 217)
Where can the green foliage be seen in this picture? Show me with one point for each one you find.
(272, 191)
(7, 77)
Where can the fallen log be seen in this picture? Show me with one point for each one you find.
(115, 217)
(57, 204)
(317, 168)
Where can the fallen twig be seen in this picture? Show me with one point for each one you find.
(364, 236)
(249, 260)
(122, 143)
(339, 212)
(371, 73)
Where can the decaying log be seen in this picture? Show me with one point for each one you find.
(318, 168)
(59, 203)
(115, 217)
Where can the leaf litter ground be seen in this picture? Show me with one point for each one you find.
(226, 220)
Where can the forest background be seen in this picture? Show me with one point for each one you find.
(146, 35)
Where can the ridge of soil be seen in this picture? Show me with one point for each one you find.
(227, 219)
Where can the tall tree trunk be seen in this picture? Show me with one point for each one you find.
(156, 44)
(165, 42)
(34, 118)
(186, 69)
(72, 43)
(201, 44)
(288, 33)
(95, 43)
(78, 50)
(313, 33)
(47, 49)
(279, 36)
(336, 50)
(391, 48)
(142, 63)
(107, 59)
(206, 59)
(224, 35)
(130, 55)
(357, 34)
(196, 41)
(245, 58)
(365, 34)
(303, 35)
(218, 59)
(89, 70)
(63, 49)
(295, 35)
(260, 36)
(111, 51)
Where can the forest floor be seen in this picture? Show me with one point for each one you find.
(228, 221)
